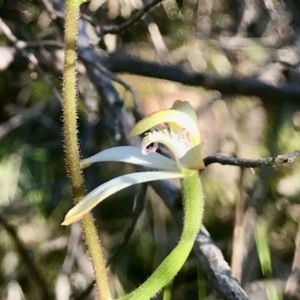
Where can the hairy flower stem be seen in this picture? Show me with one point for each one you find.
(193, 212)
(71, 146)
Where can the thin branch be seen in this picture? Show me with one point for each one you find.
(53, 11)
(20, 45)
(135, 17)
(100, 77)
(20, 118)
(29, 114)
(38, 44)
(138, 114)
(252, 163)
(229, 85)
(138, 208)
(43, 118)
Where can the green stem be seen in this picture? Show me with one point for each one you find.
(71, 146)
(167, 294)
(193, 212)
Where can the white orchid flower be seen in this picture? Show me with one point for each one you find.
(178, 132)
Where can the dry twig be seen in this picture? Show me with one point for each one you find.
(138, 208)
(252, 163)
(136, 16)
(21, 46)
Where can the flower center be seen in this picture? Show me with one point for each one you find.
(175, 139)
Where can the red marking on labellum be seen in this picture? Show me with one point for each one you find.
(151, 148)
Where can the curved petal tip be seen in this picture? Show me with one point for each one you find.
(112, 186)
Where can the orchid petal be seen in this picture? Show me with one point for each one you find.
(106, 189)
(133, 155)
(168, 116)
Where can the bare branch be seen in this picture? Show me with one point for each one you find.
(208, 254)
(252, 163)
(229, 85)
(216, 268)
(26, 114)
(20, 45)
(138, 208)
(136, 16)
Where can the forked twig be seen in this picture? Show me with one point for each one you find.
(136, 16)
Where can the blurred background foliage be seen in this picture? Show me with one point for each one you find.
(248, 38)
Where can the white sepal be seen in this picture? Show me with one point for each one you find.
(108, 188)
(133, 155)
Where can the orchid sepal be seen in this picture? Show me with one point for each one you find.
(133, 155)
(112, 186)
